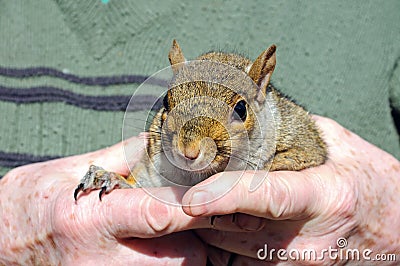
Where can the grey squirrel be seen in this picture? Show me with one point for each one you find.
(205, 127)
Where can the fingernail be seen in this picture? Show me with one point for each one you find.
(197, 202)
(249, 223)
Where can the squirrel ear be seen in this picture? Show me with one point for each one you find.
(175, 56)
(261, 70)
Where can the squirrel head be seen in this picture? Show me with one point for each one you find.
(260, 71)
(209, 113)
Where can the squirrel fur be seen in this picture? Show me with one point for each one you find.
(298, 141)
(221, 113)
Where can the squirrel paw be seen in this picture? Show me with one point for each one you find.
(98, 178)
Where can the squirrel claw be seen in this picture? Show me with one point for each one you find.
(77, 190)
(102, 191)
(98, 178)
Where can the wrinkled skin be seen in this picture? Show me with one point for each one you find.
(43, 225)
(354, 195)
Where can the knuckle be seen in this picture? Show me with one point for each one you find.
(280, 198)
(249, 223)
(346, 202)
(157, 215)
(16, 172)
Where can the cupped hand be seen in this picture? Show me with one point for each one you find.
(43, 225)
(349, 203)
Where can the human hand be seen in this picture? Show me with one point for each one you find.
(353, 196)
(43, 225)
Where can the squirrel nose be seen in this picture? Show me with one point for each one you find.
(191, 153)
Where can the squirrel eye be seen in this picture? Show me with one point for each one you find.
(165, 103)
(240, 111)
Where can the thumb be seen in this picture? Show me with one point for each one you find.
(135, 212)
(281, 195)
(117, 158)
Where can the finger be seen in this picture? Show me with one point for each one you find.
(220, 257)
(283, 195)
(276, 235)
(171, 249)
(117, 158)
(272, 244)
(243, 260)
(237, 222)
(166, 250)
(151, 212)
(125, 213)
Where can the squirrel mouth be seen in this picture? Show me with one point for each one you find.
(200, 167)
(209, 169)
(196, 166)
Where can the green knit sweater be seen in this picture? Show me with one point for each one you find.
(67, 68)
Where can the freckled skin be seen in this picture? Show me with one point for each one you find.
(355, 197)
(363, 208)
(48, 228)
